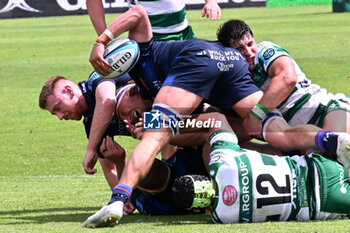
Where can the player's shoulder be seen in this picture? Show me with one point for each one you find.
(95, 79)
(267, 44)
(267, 50)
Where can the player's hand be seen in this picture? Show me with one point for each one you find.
(89, 162)
(211, 9)
(111, 149)
(128, 208)
(135, 130)
(97, 61)
(253, 126)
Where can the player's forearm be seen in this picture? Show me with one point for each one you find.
(189, 139)
(135, 21)
(101, 119)
(283, 80)
(97, 15)
(103, 113)
(278, 90)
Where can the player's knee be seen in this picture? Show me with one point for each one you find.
(156, 179)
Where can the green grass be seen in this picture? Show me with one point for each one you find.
(43, 185)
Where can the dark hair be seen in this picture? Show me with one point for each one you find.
(233, 29)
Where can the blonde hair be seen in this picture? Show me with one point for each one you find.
(47, 90)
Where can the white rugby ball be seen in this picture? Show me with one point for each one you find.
(121, 54)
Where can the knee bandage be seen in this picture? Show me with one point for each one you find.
(169, 117)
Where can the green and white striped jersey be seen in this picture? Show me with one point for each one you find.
(255, 187)
(166, 16)
(308, 103)
(305, 96)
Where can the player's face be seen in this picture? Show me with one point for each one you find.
(63, 103)
(131, 108)
(247, 47)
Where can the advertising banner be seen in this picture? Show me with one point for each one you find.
(40, 8)
(341, 5)
(297, 2)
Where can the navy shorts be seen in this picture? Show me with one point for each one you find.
(218, 74)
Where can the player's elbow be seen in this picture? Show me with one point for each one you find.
(291, 77)
(109, 103)
(290, 80)
(139, 10)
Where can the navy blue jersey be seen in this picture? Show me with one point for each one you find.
(185, 161)
(116, 126)
(218, 74)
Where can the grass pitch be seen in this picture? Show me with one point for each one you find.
(43, 185)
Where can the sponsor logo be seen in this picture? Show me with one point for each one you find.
(224, 67)
(215, 156)
(342, 179)
(83, 85)
(21, 4)
(268, 53)
(157, 84)
(245, 192)
(121, 61)
(68, 5)
(115, 6)
(229, 195)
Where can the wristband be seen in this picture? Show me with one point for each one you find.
(97, 43)
(259, 111)
(109, 34)
(272, 115)
(103, 39)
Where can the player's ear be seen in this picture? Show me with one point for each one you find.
(68, 90)
(133, 91)
(127, 92)
(231, 43)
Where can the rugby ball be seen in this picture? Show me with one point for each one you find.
(121, 54)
